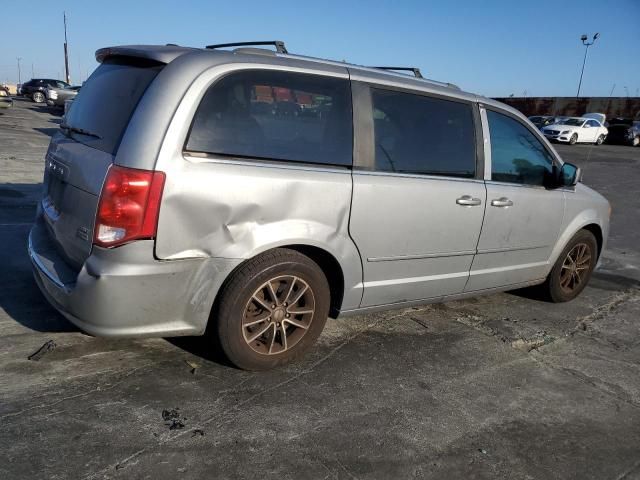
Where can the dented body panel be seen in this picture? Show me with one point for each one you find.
(226, 209)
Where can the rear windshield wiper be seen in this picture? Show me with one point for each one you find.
(81, 131)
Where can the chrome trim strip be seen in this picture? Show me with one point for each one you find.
(439, 299)
(379, 173)
(49, 209)
(402, 281)
(419, 256)
(514, 249)
(507, 269)
(518, 185)
(43, 269)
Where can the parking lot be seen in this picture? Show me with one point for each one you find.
(502, 386)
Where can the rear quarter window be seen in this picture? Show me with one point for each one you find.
(107, 100)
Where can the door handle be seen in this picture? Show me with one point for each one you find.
(502, 202)
(468, 201)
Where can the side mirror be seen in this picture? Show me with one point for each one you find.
(587, 126)
(570, 175)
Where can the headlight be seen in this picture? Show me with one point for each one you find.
(53, 94)
(565, 132)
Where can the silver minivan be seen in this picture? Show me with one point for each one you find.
(251, 193)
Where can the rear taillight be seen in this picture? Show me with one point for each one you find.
(128, 207)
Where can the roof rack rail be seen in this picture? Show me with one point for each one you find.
(279, 44)
(416, 71)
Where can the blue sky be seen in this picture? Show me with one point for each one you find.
(494, 48)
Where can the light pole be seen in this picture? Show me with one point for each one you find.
(66, 51)
(18, 59)
(587, 45)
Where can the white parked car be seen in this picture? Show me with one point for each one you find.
(577, 130)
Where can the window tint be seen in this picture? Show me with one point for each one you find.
(107, 101)
(418, 134)
(276, 115)
(593, 123)
(517, 156)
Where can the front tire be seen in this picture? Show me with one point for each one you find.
(572, 271)
(272, 310)
(573, 139)
(38, 97)
(600, 140)
(636, 141)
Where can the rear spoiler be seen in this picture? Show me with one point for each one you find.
(157, 53)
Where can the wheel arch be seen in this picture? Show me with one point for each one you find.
(597, 232)
(327, 262)
(332, 271)
(586, 221)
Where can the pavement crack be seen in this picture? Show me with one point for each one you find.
(477, 323)
(603, 387)
(629, 471)
(99, 388)
(122, 463)
(604, 310)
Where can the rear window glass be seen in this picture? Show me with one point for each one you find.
(107, 100)
(276, 115)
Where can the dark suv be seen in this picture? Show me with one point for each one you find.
(625, 131)
(36, 88)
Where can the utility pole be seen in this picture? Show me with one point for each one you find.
(587, 45)
(66, 51)
(18, 59)
(612, 89)
(33, 75)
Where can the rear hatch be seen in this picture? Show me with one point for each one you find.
(81, 153)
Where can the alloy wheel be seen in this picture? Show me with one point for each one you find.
(278, 315)
(575, 268)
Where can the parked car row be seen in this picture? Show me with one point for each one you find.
(589, 128)
(586, 129)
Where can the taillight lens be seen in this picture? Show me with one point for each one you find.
(128, 207)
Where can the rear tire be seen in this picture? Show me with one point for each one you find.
(636, 141)
(572, 271)
(38, 97)
(272, 310)
(600, 140)
(573, 139)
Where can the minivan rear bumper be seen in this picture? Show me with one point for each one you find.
(125, 291)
